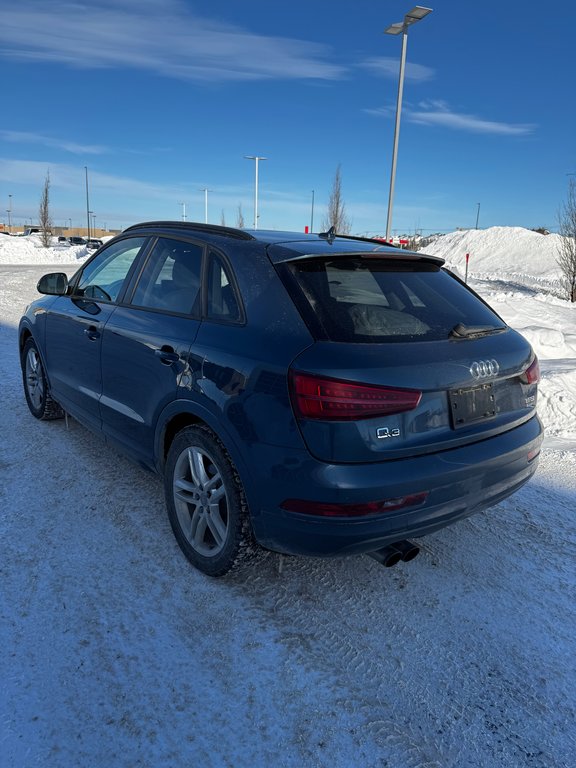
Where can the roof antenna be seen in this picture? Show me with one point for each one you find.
(330, 235)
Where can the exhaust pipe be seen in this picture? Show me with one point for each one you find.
(408, 550)
(387, 556)
(393, 553)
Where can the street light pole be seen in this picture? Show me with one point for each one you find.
(87, 202)
(413, 16)
(205, 190)
(183, 211)
(256, 159)
(477, 214)
(312, 214)
(9, 212)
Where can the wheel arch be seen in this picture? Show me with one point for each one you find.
(26, 333)
(171, 428)
(184, 413)
(23, 336)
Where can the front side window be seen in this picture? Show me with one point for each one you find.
(171, 278)
(103, 278)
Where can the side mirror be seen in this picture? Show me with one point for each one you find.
(54, 284)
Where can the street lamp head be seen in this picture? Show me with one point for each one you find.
(395, 29)
(416, 14)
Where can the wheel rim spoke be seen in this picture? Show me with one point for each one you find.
(197, 470)
(197, 529)
(216, 524)
(186, 491)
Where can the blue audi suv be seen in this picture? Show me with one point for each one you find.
(307, 394)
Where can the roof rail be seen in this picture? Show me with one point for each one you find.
(194, 226)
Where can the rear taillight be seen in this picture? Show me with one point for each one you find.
(354, 510)
(532, 374)
(316, 397)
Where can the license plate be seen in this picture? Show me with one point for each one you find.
(470, 406)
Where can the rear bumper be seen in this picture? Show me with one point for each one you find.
(458, 482)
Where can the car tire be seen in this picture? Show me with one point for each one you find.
(40, 401)
(206, 503)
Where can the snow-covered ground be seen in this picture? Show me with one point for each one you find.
(115, 652)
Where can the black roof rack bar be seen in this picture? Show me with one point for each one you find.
(194, 226)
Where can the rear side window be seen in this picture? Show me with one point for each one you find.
(367, 300)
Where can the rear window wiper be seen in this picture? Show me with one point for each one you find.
(462, 331)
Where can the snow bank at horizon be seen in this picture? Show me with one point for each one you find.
(29, 251)
(497, 251)
(500, 252)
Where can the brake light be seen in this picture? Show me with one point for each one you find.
(316, 397)
(532, 374)
(354, 510)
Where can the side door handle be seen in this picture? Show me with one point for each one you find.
(92, 332)
(167, 355)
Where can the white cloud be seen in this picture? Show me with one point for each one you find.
(438, 113)
(70, 177)
(166, 38)
(22, 137)
(389, 67)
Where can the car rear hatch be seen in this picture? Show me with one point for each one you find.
(406, 361)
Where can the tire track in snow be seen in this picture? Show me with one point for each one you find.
(460, 643)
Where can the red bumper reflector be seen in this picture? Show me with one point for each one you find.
(354, 510)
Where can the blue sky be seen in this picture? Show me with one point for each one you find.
(161, 99)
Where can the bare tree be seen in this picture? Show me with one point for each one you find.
(222, 219)
(240, 219)
(566, 259)
(44, 214)
(336, 216)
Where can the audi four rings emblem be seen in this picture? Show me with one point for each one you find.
(482, 369)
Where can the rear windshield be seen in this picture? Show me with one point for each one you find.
(370, 300)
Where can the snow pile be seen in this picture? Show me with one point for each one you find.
(29, 250)
(500, 252)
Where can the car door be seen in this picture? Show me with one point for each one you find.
(146, 342)
(74, 327)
